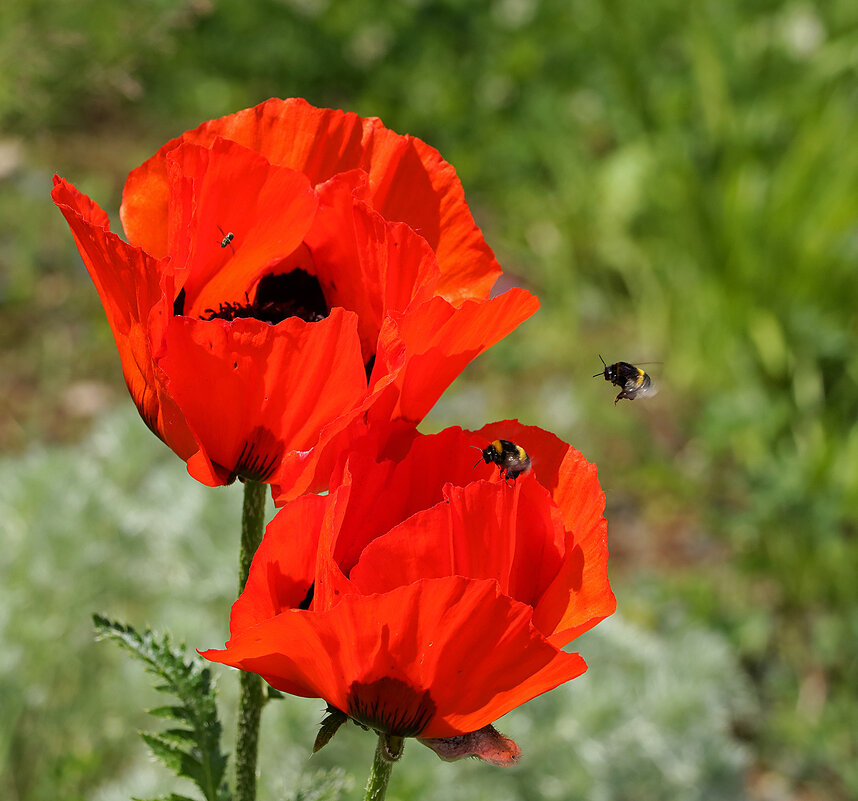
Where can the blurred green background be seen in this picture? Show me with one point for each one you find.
(677, 181)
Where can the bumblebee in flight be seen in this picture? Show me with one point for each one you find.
(512, 459)
(631, 380)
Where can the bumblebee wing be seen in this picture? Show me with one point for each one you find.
(639, 385)
(647, 388)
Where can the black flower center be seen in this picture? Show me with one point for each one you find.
(293, 294)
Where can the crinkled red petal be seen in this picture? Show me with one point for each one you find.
(439, 341)
(409, 181)
(365, 263)
(228, 189)
(464, 650)
(579, 596)
(411, 469)
(128, 281)
(482, 531)
(410, 484)
(560, 542)
(251, 391)
(566, 615)
(284, 566)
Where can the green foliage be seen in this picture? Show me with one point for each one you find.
(191, 750)
(111, 522)
(80, 57)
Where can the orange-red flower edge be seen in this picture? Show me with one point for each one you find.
(290, 272)
(425, 596)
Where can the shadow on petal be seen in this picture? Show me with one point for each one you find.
(391, 705)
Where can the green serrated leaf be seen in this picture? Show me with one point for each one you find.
(170, 754)
(180, 736)
(171, 712)
(192, 751)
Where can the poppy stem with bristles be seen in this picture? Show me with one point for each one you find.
(388, 751)
(251, 696)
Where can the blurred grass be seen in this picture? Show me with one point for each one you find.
(677, 183)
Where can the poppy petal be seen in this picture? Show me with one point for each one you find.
(128, 282)
(410, 469)
(283, 569)
(569, 608)
(482, 530)
(579, 595)
(409, 180)
(246, 388)
(232, 215)
(451, 644)
(440, 340)
(389, 266)
(364, 518)
(465, 258)
(557, 545)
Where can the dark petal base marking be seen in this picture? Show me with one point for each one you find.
(391, 706)
(259, 458)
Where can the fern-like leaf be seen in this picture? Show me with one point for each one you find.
(191, 749)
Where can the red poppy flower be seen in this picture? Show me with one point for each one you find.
(423, 596)
(289, 270)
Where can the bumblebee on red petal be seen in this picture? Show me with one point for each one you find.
(440, 601)
(512, 459)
